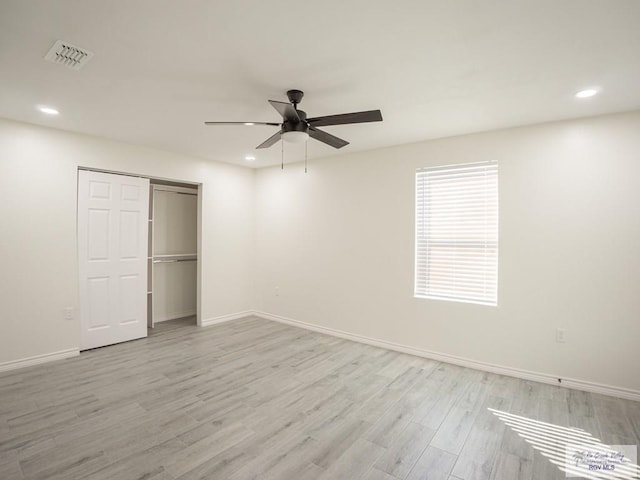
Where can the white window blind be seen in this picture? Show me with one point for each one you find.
(457, 233)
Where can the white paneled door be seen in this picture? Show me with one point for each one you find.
(112, 248)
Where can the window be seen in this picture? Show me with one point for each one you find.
(457, 233)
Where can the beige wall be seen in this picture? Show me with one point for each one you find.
(38, 248)
(339, 242)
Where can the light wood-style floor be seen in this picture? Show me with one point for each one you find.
(253, 399)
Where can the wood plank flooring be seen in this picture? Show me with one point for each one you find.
(253, 399)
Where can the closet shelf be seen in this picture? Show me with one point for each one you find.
(184, 257)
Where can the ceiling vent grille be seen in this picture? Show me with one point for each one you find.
(63, 53)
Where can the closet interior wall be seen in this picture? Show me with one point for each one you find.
(173, 259)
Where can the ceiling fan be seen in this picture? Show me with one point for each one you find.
(296, 127)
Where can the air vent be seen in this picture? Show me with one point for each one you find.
(63, 53)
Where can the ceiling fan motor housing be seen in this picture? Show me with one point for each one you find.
(301, 126)
(295, 127)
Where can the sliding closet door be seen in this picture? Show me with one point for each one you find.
(112, 250)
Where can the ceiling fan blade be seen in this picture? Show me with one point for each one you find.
(327, 138)
(344, 118)
(270, 141)
(287, 111)
(243, 123)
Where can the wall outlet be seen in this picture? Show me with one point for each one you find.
(68, 313)
(277, 292)
(561, 335)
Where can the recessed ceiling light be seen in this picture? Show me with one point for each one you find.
(249, 158)
(589, 92)
(49, 110)
(249, 123)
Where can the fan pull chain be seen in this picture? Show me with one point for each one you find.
(282, 156)
(305, 157)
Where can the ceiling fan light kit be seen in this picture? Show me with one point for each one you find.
(297, 128)
(295, 136)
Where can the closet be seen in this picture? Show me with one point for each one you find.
(172, 259)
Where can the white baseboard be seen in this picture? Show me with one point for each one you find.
(38, 359)
(226, 318)
(586, 386)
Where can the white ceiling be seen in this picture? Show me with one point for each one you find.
(434, 68)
